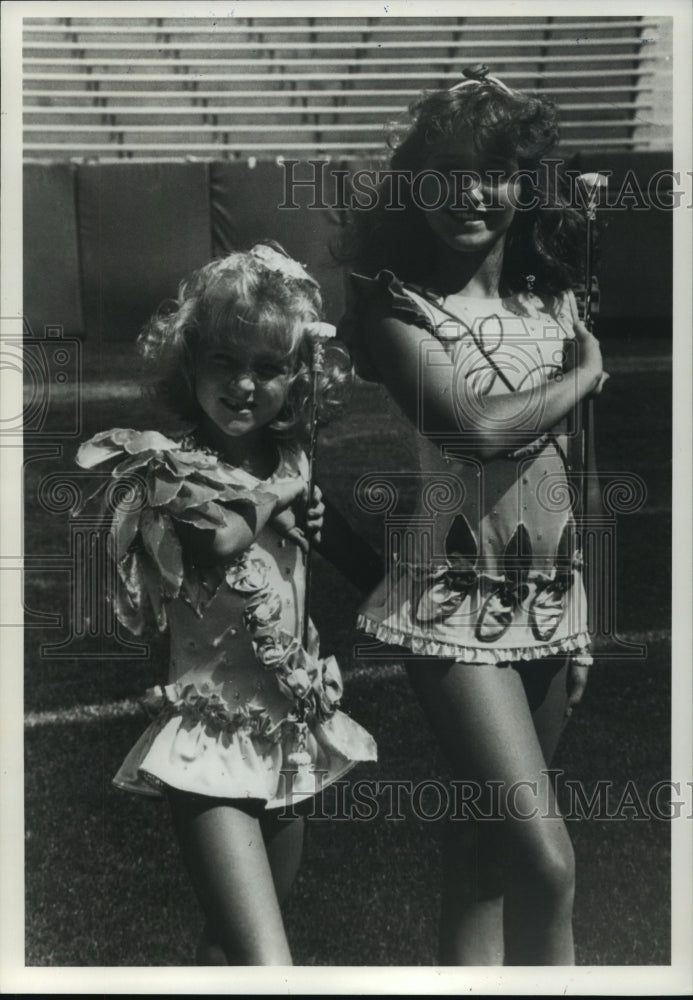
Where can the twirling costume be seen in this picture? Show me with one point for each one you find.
(490, 569)
(247, 712)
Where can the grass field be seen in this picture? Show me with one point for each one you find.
(104, 884)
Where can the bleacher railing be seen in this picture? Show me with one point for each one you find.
(175, 88)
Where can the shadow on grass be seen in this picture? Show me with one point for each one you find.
(105, 865)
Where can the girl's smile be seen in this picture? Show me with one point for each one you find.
(241, 389)
(480, 203)
(464, 217)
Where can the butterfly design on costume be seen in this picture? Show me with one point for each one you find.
(447, 582)
(446, 587)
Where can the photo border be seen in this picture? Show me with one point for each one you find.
(590, 980)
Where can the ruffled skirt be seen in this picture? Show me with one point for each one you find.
(485, 624)
(211, 752)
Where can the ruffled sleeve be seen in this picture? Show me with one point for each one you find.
(163, 482)
(362, 294)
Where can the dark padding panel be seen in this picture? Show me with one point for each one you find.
(51, 255)
(636, 250)
(143, 227)
(247, 206)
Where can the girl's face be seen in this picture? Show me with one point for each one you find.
(241, 388)
(474, 195)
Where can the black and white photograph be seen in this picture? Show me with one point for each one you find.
(345, 458)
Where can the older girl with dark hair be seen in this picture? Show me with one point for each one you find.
(461, 306)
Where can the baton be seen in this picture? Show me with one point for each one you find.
(592, 185)
(320, 334)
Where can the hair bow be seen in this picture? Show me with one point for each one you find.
(275, 260)
(474, 75)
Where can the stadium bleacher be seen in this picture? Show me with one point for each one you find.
(172, 87)
(110, 104)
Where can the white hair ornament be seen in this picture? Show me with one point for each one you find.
(275, 260)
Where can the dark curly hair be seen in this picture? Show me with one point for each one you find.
(544, 241)
(225, 301)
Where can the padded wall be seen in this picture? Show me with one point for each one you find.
(636, 247)
(51, 255)
(246, 207)
(142, 227)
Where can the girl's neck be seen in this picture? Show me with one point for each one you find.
(255, 452)
(469, 274)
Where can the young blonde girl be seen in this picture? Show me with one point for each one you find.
(212, 548)
(462, 308)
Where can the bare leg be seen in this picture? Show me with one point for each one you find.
(482, 717)
(545, 683)
(471, 925)
(284, 843)
(471, 912)
(225, 853)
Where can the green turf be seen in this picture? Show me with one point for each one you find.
(104, 883)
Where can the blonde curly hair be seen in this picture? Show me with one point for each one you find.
(262, 292)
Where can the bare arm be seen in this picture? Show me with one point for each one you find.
(489, 426)
(242, 525)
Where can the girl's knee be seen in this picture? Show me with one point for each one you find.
(553, 869)
(556, 871)
(546, 866)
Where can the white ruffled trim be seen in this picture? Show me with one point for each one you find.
(583, 659)
(578, 644)
(237, 765)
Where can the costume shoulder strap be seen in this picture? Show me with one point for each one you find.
(386, 287)
(363, 293)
